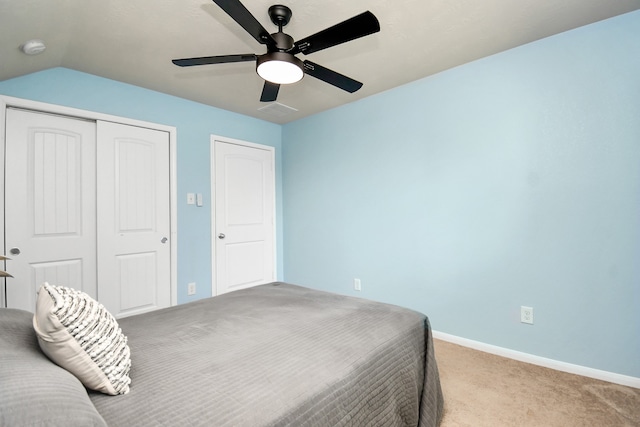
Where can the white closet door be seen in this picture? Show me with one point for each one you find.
(50, 205)
(244, 216)
(133, 219)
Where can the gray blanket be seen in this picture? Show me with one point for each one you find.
(278, 355)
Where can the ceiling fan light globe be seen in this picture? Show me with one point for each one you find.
(280, 68)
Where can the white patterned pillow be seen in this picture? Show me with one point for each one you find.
(80, 335)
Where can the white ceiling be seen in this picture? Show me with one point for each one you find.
(134, 42)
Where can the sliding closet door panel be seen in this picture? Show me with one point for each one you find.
(50, 204)
(133, 219)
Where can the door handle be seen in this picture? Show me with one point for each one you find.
(14, 251)
(164, 240)
(221, 236)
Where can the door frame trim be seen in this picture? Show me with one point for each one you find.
(272, 152)
(42, 107)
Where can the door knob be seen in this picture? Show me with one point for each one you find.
(14, 251)
(164, 240)
(221, 236)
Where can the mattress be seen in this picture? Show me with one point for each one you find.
(278, 355)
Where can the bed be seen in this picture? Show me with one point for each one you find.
(272, 355)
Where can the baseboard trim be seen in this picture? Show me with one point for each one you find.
(541, 361)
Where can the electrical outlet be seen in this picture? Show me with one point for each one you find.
(191, 288)
(526, 315)
(357, 285)
(191, 198)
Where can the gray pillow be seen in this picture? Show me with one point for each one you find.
(33, 390)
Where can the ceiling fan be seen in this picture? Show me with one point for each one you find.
(280, 65)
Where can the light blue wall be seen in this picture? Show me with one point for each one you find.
(513, 180)
(194, 122)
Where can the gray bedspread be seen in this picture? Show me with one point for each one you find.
(278, 355)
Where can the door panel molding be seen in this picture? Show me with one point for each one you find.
(58, 110)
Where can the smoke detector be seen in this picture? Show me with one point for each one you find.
(33, 47)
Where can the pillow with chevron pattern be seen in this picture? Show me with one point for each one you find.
(79, 334)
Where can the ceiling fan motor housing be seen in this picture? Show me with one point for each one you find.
(284, 41)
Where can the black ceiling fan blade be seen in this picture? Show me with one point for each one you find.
(333, 78)
(359, 26)
(242, 16)
(269, 92)
(206, 60)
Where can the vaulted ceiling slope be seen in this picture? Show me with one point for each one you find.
(134, 42)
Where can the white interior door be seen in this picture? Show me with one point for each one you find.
(50, 205)
(133, 219)
(244, 221)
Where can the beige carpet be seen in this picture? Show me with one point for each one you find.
(484, 390)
